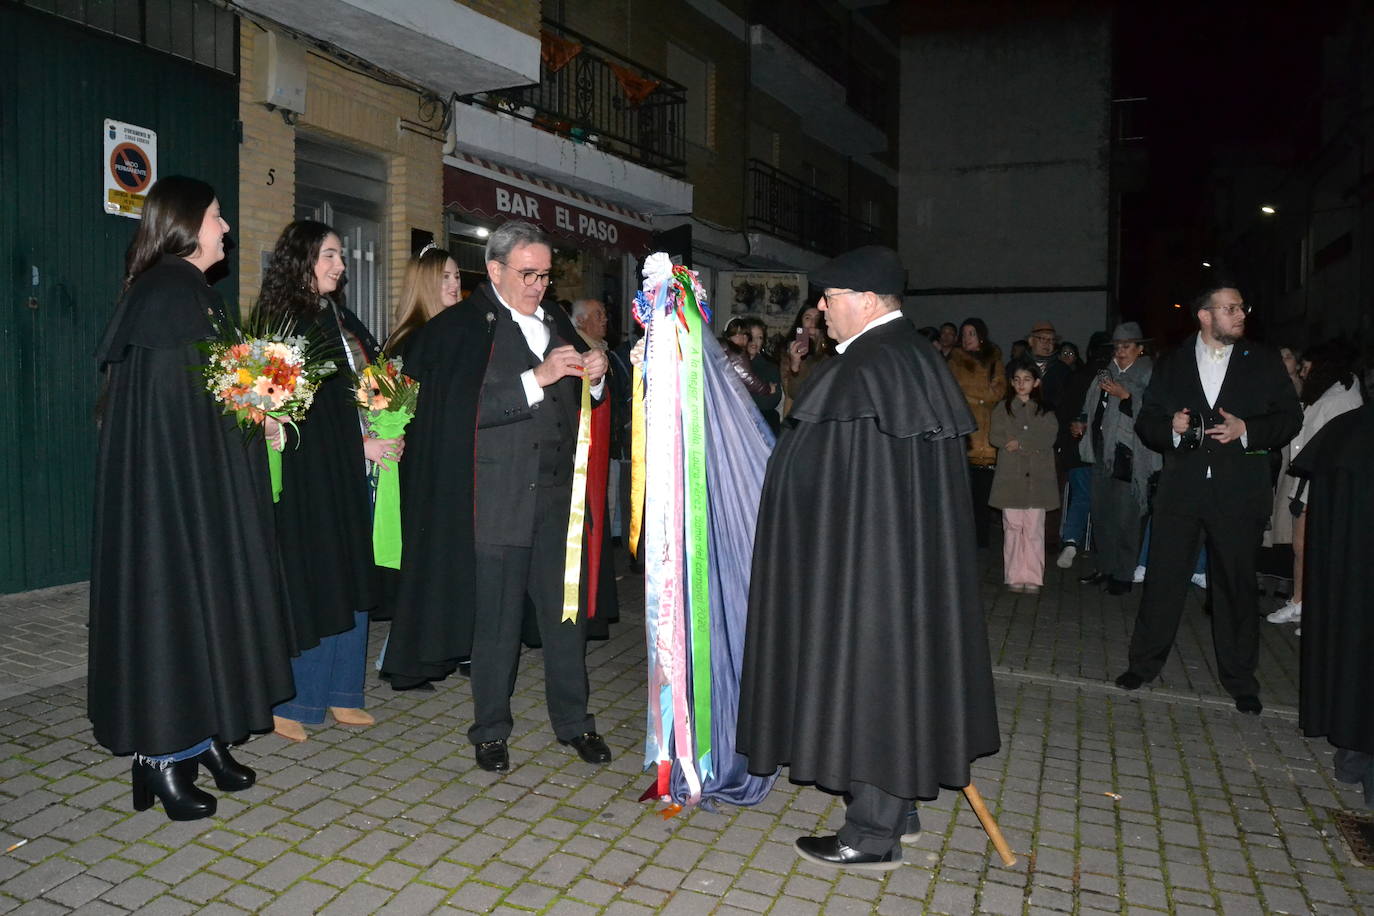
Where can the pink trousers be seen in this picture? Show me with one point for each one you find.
(1023, 546)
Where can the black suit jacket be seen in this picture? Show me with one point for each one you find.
(510, 432)
(1257, 390)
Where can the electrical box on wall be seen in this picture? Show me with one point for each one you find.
(279, 72)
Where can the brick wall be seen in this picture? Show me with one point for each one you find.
(349, 109)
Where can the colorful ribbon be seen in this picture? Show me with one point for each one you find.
(386, 511)
(577, 512)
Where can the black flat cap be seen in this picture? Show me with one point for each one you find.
(870, 269)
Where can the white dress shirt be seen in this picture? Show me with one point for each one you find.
(537, 337)
(880, 320)
(1212, 363)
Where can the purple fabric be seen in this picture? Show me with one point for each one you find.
(738, 442)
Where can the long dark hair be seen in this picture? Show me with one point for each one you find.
(821, 345)
(173, 213)
(1332, 362)
(288, 286)
(986, 350)
(1036, 399)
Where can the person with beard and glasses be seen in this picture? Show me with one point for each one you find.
(1214, 408)
(1042, 350)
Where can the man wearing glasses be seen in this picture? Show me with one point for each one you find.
(866, 667)
(487, 497)
(1215, 408)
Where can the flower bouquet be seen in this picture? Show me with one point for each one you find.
(259, 375)
(387, 399)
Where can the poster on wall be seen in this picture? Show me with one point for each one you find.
(774, 297)
(129, 167)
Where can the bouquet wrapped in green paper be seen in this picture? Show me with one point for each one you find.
(387, 398)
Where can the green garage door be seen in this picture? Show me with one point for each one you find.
(61, 256)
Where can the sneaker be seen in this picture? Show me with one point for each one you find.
(1015, 588)
(1066, 556)
(1139, 574)
(1200, 580)
(1031, 589)
(1289, 613)
(1297, 631)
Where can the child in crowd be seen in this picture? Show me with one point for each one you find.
(1024, 485)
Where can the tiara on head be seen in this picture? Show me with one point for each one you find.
(430, 246)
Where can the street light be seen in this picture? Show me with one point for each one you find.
(1206, 263)
(1268, 210)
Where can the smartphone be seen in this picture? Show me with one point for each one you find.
(804, 340)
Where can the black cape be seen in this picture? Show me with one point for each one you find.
(324, 516)
(1337, 665)
(431, 627)
(866, 657)
(189, 637)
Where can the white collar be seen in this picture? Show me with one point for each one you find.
(1215, 354)
(519, 316)
(880, 320)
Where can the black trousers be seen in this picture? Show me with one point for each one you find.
(874, 820)
(980, 486)
(505, 575)
(1232, 545)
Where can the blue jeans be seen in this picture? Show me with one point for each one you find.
(1073, 529)
(331, 674)
(194, 750)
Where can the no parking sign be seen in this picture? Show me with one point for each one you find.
(130, 167)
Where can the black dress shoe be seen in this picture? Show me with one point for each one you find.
(1096, 578)
(1118, 587)
(828, 850)
(1129, 680)
(1249, 704)
(403, 682)
(173, 784)
(230, 775)
(493, 756)
(590, 747)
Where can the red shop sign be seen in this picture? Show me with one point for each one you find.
(554, 210)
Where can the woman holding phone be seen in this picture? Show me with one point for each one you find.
(810, 347)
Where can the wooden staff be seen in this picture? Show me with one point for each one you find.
(999, 842)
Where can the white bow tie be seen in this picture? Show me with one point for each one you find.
(1218, 354)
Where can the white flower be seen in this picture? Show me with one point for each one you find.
(658, 269)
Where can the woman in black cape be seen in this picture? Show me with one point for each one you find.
(189, 638)
(324, 514)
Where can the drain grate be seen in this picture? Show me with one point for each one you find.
(1358, 831)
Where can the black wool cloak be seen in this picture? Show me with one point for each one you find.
(866, 657)
(324, 516)
(1337, 663)
(431, 627)
(189, 636)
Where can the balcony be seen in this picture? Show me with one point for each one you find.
(792, 211)
(590, 95)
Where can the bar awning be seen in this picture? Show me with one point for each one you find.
(496, 193)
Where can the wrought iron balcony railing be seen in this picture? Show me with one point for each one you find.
(589, 94)
(789, 209)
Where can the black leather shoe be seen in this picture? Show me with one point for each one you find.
(828, 850)
(590, 747)
(1096, 578)
(402, 682)
(493, 756)
(1249, 704)
(1129, 680)
(230, 775)
(175, 786)
(1118, 587)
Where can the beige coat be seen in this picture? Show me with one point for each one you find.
(1025, 478)
(984, 386)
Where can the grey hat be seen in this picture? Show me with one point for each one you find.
(871, 269)
(1128, 332)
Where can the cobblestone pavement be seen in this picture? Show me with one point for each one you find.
(1165, 800)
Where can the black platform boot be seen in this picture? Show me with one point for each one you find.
(230, 775)
(174, 784)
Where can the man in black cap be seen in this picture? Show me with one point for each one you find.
(866, 667)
